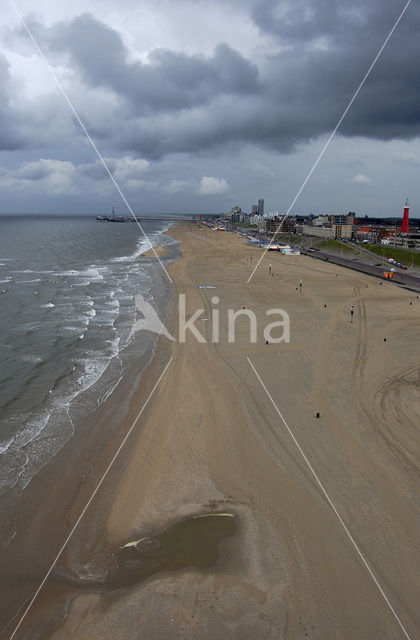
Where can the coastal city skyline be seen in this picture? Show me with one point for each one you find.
(191, 120)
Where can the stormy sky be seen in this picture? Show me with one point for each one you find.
(198, 105)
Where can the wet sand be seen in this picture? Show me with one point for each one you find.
(158, 251)
(210, 442)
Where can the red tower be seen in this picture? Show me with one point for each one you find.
(405, 226)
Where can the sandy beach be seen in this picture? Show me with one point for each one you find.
(268, 558)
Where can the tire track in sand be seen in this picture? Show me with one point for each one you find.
(388, 404)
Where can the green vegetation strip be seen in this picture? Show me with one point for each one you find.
(405, 256)
(336, 247)
(287, 238)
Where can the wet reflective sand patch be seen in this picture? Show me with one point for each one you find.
(192, 542)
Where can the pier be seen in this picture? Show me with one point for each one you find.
(154, 218)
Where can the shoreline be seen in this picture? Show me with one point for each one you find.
(159, 250)
(70, 375)
(209, 442)
(63, 485)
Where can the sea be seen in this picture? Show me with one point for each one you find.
(67, 307)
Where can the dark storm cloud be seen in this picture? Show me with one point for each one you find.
(303, 21)
(169, 82)
(330, 47)
(10, 139)
(320, 50)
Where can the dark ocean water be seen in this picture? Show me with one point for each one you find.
(66, 311)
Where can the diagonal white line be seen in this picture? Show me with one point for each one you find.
(82, 126)
(330, 502)
(331, 137)
(76, 524)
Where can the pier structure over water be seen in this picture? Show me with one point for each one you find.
(146, 218)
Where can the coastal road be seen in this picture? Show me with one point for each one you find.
(403, 278)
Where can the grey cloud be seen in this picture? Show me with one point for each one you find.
(34, 171)
(196, 104)
(170, 81)
(303, 21)
(10, 139)
(26, 124)
(94, 170)
(335, 23)
(407, 158)
(330, 45)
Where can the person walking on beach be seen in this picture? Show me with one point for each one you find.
(351, 313)
(269, 269)
(300, 286)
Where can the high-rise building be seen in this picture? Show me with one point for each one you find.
(342, 225)
(261, 207)
(236, 213)
(254, 209)
(342, 219)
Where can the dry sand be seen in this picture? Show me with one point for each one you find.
(210, 442)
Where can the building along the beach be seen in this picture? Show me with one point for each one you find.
(335, 226)
(371, 234)
(407, 241)
(319, 232)
(342, 225)
(286, 224)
